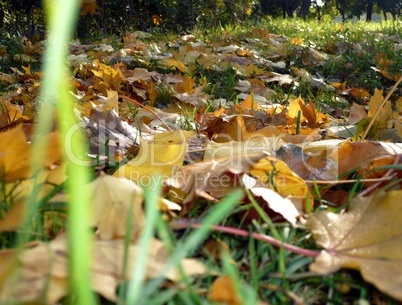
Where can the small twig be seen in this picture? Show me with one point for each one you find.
(145, 107)
(379, 108)
(184, 224)
(349, 180)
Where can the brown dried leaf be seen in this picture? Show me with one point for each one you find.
(42, 271)
(113, 200)
(214, 178)
(352, 155)
(368, 238)
(357, 113)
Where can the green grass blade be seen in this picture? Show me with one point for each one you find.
(62, 17)
(195, 238)
(135, 286)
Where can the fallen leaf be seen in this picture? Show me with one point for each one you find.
(88, 7)
(108, 262)
(108, 134)
(157, 158)
(308, 114)
(114, 202)
(38, 275)
(14, 154)
(107, 78)
(212, 179)
(186, 86)
(368, 237)
(13, 219)
(357, 113)
(223, 290)
(249, 103)
(360, 93)
(276, 174)
(228, 129)
(174, 64)
(385, 112)
(277, 203)
(253, 145)
(41, 271)
(112, 100)
(355, 155)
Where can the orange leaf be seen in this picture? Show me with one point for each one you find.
(14, 155)
(88, 7)
(250, 103)
(309, 112)
(223, 290)
(13, 219)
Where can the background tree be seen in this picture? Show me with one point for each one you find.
(273, 8)
(21, 16)
(289, 7)
(342, 7)
(369, 9)
(391, 6)
(304, 8)
(117, 16)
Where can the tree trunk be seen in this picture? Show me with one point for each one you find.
(284, 8)
(341, 10)
(289, 6)
(1, 16)
(305, 8)
(369, 11)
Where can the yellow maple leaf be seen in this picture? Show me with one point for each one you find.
(297, 41)
(156, 159)
(279, 176)
(12, 112)
(374, 105)
(14, 155)
(398, 105)
(45, 183)
(112, 101)
(294, 108)
(308, 113)
(152, 93)
(186, 86)
(176, 64)
(107, 77)
(235, 131)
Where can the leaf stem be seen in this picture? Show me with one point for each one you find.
(186, 223)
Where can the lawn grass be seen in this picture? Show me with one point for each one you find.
(260, 270)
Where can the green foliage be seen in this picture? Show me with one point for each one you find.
(13, 47)
(221, 83)
(21, 17)
(278, 276)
